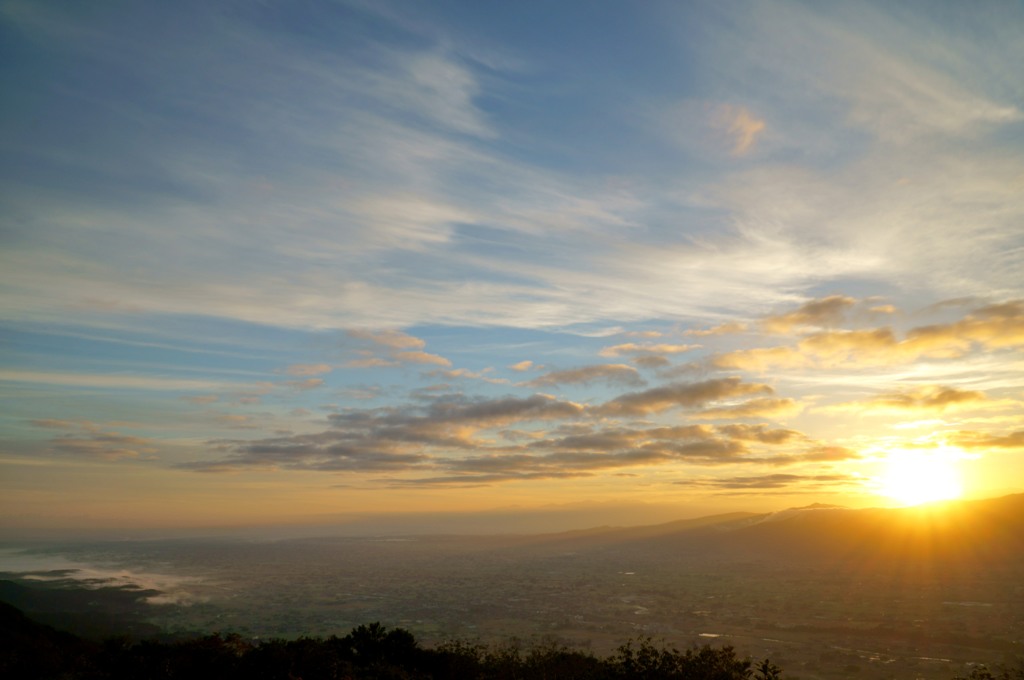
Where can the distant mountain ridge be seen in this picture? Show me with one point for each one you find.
(967, 532)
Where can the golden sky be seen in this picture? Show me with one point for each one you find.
(276, 264)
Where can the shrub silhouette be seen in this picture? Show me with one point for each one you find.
(30, 651)
(644, 660)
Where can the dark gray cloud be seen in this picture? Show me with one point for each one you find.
(390, 438)
(927, 398)
(768, 407)
(814, 453)
(449, 411)
(451, 437)
(983, 440)
(707, 452)
(560, 462)
(473, 481)
(773, 481)
(84, 439)
(103, 445)
(825, 454)
(504, 410)
(760, 433)
(827, 311)
(687, 395)
(713, 444)
(612, 374)
(329, 451)
(652, 361)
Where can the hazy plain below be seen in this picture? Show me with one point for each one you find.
(825, 592)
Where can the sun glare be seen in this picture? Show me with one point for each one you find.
(915, 477)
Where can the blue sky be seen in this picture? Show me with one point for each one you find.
(279, 261)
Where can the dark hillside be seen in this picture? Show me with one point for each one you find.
(94, 613)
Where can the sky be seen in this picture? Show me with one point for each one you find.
(599, 262)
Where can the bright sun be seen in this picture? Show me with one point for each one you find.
(915, 477)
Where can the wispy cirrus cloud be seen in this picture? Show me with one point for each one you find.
(202, 399)
(422, 358)
(484, 374)
(362, 194)
(305, 383)
(727, 328)
(283, 200)
(112, 381)
(740, 125)
(390, 338)
(305, 370)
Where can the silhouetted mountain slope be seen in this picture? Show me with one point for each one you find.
(962, 532)
(699, 526)
(989, 531)
(91, 612)
(32, 650)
